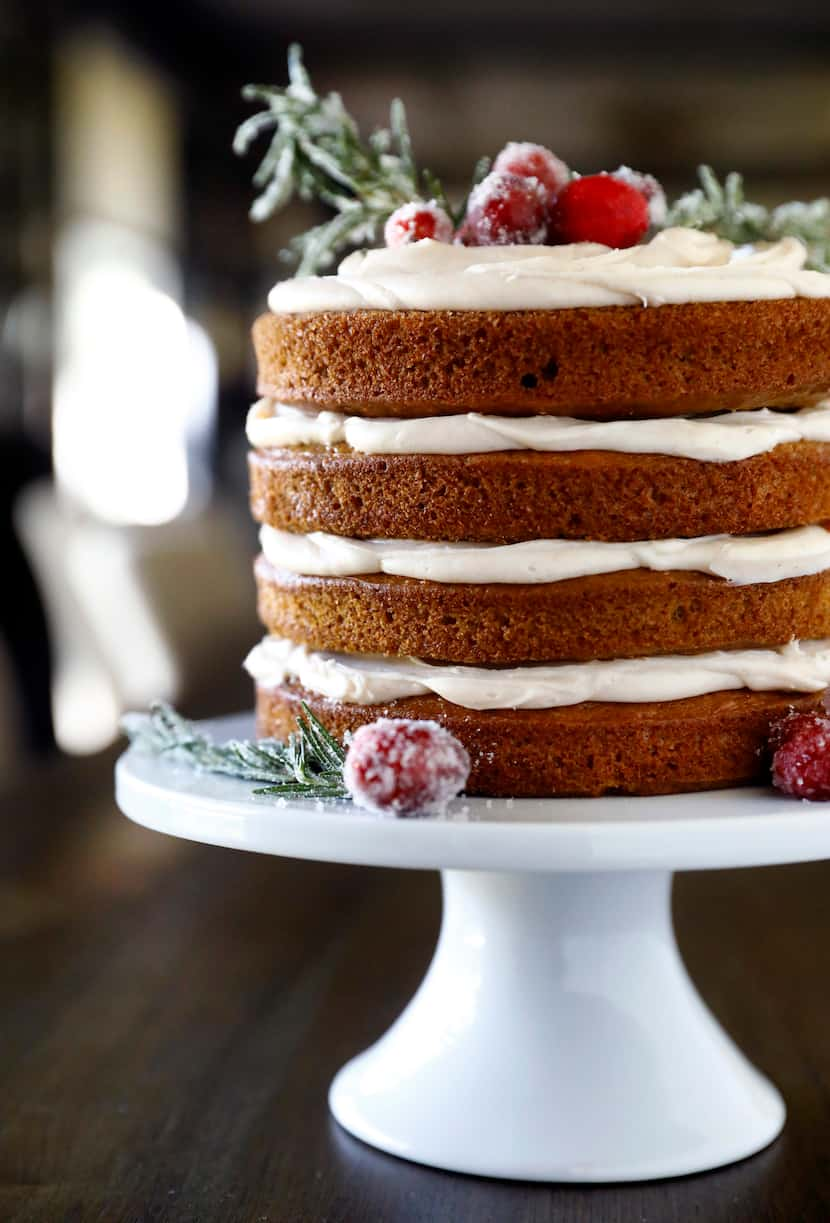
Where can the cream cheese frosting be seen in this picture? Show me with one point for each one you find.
(677, 265)
(727, 437)
(367, 680)
(740, 559)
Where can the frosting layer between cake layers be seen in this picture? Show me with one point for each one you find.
(740, 560)
(720, 439)
(366, 680)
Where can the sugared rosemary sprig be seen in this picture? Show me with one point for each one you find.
(309, 765)
(722, 209)
(316, 151)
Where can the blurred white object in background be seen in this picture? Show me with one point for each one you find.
(135, 380)
(145, 580)
(91, 597)
(135, 383)
(136, 614)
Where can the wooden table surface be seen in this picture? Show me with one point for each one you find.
(171, 1016)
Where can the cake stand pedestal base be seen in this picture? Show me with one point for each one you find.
(558, 1037)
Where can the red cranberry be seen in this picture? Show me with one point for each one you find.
(533, 161)
(397, 766)
(801, 755)
(505, 209)
(599, 208)
(412, 222)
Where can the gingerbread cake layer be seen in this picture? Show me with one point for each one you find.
(600, 363)
(702, 743)
(512, 496)
(608, 615)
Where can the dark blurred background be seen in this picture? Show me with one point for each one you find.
(130, 274)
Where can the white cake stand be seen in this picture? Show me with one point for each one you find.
(557, 1035)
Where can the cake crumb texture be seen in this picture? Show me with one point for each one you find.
(598, 363)
(510, 496)
(703, 743)
(631, 614)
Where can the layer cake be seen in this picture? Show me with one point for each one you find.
(568, 503)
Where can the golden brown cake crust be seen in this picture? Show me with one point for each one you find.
(600, 363)
(516, 495)
(703, 743)
(608, 615)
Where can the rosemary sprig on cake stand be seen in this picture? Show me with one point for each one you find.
(308, 765)
(394, 766)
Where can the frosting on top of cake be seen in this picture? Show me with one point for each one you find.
(727, 437)
(740, 559)
(364, 679)
(678, 265)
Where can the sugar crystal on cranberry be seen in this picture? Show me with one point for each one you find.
(397, 766)
(533, 161)
(414, 221)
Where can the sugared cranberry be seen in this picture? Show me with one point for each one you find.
(599, 208)
(792, 722)
(648, 186)
(412, 222)
(397, 766)
(533, 161)
(800, 744)
(505, 209)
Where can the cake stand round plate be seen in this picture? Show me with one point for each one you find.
(556, 1035)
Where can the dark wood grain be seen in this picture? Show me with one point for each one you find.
(171, 1016)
